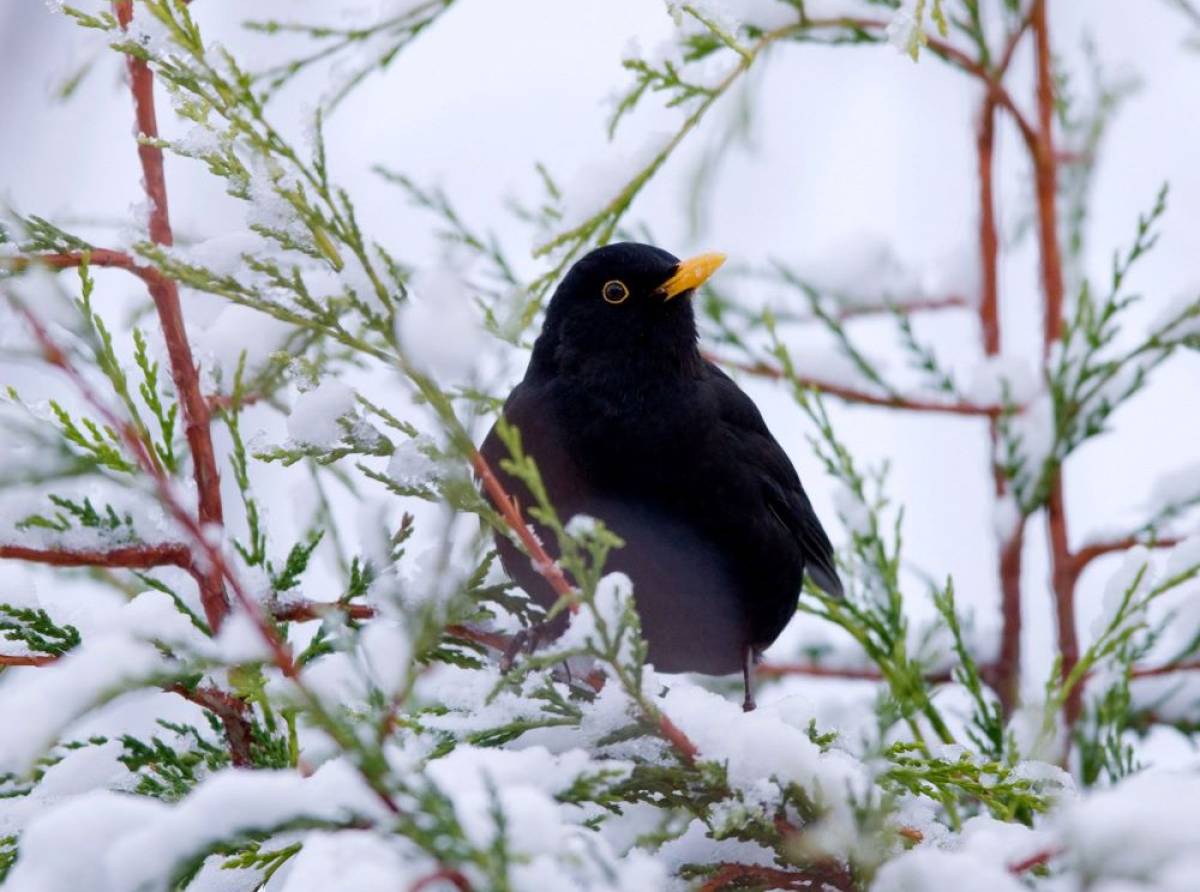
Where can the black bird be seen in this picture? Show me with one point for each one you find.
(628, 423)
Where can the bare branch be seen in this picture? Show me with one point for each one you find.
(165, 293)
(863, 397)
(132, 557)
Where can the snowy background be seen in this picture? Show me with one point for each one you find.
(848, 152)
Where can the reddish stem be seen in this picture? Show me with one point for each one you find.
(816, 670)
(862, 397)
(443, 875)
(307, 611)
(165, 293)
(828, 875)
(1006, 673)
(1005, 677)
(1168, 669)
(27, 659)
(1035, 860)
(1088, 553)
(507, 506)
(233, 713)
(133, 557)
(1046, 177)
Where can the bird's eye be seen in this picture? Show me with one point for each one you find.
(615, 292)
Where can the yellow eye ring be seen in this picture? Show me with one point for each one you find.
(615, 291)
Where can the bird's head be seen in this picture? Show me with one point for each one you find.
(626, 302)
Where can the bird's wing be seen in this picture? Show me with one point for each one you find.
(782, 491)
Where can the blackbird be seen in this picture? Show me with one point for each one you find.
(630, 424)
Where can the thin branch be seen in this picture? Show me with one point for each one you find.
(1045, 166)
(1046, 176)
(133, 557)
(1038, 859)
(1088, 553)
(165, 293)
(456, 878)
(906, 307)
(509, 510)
(855, 673)
(1005, 674)
(233, 713)
(863, 397)
(1167, 669)
(827, 875)
(27, 659)
(816, 670)
(307, 611)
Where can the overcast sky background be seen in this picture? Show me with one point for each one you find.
(845, 143)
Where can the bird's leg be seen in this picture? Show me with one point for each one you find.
(749, 658)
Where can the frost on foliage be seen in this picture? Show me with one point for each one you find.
(864, 270)
(386, 650)
(239, 332)
(906, 29)
(142, 843)
(487, 787)
(316, 418)
(360, 860)
(592, 187)
(411, 465)
(1000, 380)
(1177, 487)
(1145, 830)
(930, 870)
(613, 600)
(240, 640)
(770, 748)
(93, 822)
(1126, 591)
(439, 327)
(48, 699)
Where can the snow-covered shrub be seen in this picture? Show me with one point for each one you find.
(278, 665)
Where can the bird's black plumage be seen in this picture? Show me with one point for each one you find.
(630, 424)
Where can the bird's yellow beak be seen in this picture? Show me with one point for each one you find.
(691, 273)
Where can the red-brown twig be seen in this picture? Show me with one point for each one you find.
(828, 875)
(133, 557)
(1088, 553)
(866, 398)
(27, 659)
(1036, 860)
(165, 294)
(455, 878)
(233, 713)
(507, 506)
(1045, 166)
(816, 670)
(1006, 672)
(307, 611)
(1167, 669)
